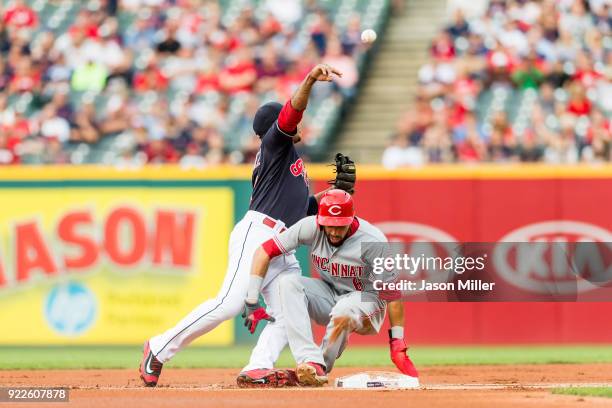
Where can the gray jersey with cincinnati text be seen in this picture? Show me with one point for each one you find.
(344, 267)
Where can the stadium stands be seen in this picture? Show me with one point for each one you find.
(163, 81)
(526, 81)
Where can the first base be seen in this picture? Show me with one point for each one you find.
(377, 380)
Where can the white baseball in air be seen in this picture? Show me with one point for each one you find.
(368, 36)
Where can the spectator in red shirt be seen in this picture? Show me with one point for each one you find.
(442, 47)
(26, 78)
(585, 73)
(160, 151)
(240, 73)
(270, 26)
(578, 104)
(208, 79)
(21, 127)
(472, 149)
(455, 113)
(19, 15)
(152, 78)
(85, 24)
(8, 145)
(601, 127)
(465, 87)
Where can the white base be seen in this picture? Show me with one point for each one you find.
(377, 380)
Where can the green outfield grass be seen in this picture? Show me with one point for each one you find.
(235, 357)
(585, 392)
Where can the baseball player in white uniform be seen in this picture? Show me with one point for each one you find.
(280, 199)
(343, 299)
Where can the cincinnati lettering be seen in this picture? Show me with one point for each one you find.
(336, 269)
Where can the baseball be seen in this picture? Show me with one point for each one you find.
(368, 36)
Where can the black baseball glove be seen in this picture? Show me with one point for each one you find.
(345, 173)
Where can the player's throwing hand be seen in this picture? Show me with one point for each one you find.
(253, 313)
(324, 72)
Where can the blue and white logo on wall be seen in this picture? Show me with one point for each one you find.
(70, 308)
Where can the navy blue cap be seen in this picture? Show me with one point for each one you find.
(265, 117)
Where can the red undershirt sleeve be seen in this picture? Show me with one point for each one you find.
(271, 248)
(289, 118)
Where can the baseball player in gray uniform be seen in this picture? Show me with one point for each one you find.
(343, 299)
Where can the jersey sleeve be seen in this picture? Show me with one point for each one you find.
(301, 233)
(373, 251)
(285, 127)
(373, 254)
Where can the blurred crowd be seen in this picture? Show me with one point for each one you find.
(527, 81)
(168, 81)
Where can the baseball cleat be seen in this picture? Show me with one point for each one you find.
(410, 368)
(311, 374)
(150, 367)
(267, 378)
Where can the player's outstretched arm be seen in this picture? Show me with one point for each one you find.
(253, 312)
(259, 269)
(291, 114)
(302, 232)
(321, 72)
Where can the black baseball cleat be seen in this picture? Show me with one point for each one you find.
(267, 378)
(150, 367)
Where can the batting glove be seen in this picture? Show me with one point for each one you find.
(253, 313)
(400, 358)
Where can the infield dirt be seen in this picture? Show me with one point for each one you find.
(442, 386)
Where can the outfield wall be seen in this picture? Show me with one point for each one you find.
(488, 204)
(93, 255)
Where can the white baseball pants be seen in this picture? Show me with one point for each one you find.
(246, 237)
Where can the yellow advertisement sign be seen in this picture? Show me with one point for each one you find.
(109, 265)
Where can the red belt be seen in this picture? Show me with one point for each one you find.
(269, 222)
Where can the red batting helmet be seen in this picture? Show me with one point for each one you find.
(336, 209)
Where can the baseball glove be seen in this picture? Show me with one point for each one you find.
(346, 174)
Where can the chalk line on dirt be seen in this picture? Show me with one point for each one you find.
(426, 387)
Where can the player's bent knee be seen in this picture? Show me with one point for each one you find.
(349, 316)
(343, 308)
(229, 308)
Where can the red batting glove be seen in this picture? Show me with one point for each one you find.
(253, 314)
(400, 358)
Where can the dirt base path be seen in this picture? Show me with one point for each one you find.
(442, 386)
